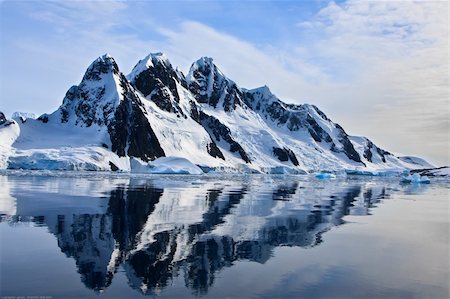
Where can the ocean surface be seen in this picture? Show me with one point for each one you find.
(99, 235)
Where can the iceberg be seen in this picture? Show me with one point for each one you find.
(415, 179)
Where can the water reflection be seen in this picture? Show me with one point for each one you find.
(157, 229)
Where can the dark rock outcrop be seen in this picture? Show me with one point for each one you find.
(3, 120)
(285, 154)
(106, 98)
(210, 86)
(158, 83)
(300, 117)
(132, 129)
(221, 132)
(368, 151)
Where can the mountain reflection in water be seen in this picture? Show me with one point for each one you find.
(157, 229)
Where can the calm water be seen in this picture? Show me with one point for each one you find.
(104, 236)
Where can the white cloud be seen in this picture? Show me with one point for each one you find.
(393, 56)
(239, 60)
(66, 14)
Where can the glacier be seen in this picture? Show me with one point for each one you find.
(415, 178)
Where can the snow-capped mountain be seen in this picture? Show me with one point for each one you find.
(111, 122)
(173, 111)
(106, 99)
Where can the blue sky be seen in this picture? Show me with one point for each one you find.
(379, 68)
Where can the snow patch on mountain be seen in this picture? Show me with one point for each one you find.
(419, 162)
(172, 112)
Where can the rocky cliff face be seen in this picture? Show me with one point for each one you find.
(105, 98)
(210, 86)
(301, 117)
(156, 79)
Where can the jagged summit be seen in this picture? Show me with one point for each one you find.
(205, 60)
(150, 61)
(106, 102)
(209, 85)
(97, 96)
(204, 67)
(157, 80)
(103, 58)
(262, 89)
(203, 64)
(102, 65)
(107, 120)
(255, 95)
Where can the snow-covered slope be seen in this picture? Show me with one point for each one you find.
(101, 123)
(421, 163)
(204, 117)
(172, 111)
(271, 135)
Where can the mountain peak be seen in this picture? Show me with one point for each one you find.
(158, 55)
(264, 90)
(102, 65)
(204, 66)
(105, 58)
(204, 61)
(210, 85)
(157, 58)
(150, 61)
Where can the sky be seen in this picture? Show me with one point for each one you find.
(378, 68)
